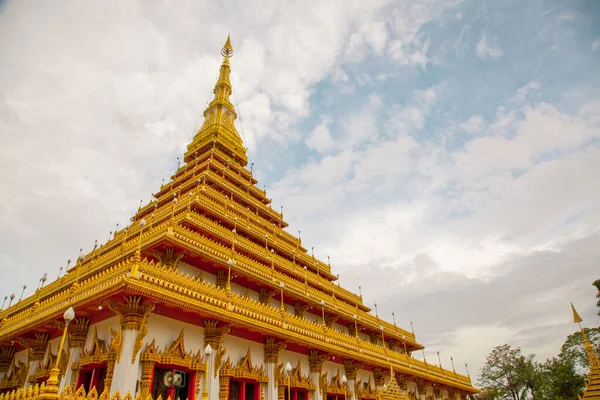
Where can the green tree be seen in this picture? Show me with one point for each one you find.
(558, 380)
(574, 350)
(505, 372)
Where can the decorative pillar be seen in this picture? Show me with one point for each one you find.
(213, 335)
(421, 388)
(224, 388)
(146, 379)
(37, 350)
(350, 369)
(315, 361)
(272, 350)
(77, 335)
(127, 342)
(6, 357)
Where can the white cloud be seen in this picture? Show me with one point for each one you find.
(596, 44)
(320, 138)
(487, 48)
(473, 125)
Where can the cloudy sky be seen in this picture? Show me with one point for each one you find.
(445, 154)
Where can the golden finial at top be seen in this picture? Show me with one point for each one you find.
(576, 318)
(227, 50)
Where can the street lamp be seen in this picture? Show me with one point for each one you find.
(288, 373)
(208, 351)
(51, 390)
(345, 382)
(323, 310)
(229, 264)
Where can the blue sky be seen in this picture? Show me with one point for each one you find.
(444, 154)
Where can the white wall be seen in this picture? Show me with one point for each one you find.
(292, 357)
(237, 348)
(166, 330)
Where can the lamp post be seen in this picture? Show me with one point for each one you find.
(345, 383)
(51, 389)
(288, 373)
(281, 286)
(208, 352)
(323, 311)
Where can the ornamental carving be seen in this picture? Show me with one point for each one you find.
(351, 368)
(315, 360)
(213, 335)
(244, 369)
(6, 357)
(16, 375)
(96, 354)
(132, 316)
(37, 347)
(333, 387)
(365, 390)
(78, 332)
(44, 369)
(393, 390)
(272, 349)
(296, 379)
(174, 354)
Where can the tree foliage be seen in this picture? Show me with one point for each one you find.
(504, 372)
(557, 380)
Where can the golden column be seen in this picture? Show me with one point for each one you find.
(50, 391)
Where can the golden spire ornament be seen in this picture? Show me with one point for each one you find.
(227, 50)
(592, 390)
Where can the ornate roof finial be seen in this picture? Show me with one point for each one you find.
(227, 50)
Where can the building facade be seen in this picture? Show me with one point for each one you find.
(206, 295)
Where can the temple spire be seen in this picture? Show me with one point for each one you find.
(592, 390)
(219, 128)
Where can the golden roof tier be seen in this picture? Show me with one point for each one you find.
(210, 255)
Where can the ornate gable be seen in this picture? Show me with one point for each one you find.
(297, 380)
(244, 369)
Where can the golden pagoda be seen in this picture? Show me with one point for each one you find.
(206, 295)
(592, 389)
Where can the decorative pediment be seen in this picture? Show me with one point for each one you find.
(296, 380)
(174, 354)
(333, 387)
(97, 353)
(244, 369)
(365, 390)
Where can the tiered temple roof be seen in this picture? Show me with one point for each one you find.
(213, 218)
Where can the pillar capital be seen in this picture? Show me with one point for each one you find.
(37, 346)
(132, 312)
(6, 356)
(316, 359)
(78, 331)
(351, 367)
(272, 350)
